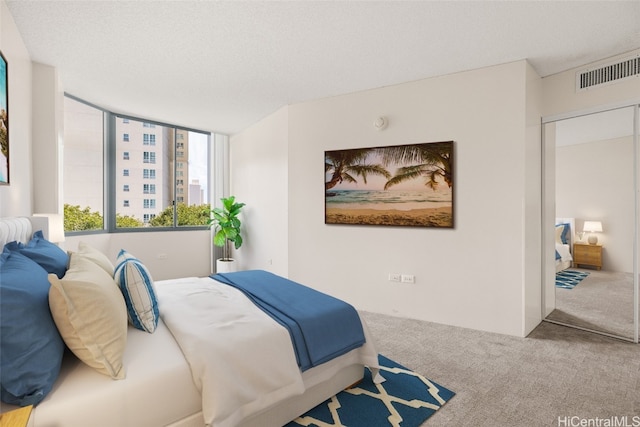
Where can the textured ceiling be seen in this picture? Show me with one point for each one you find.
(222, 66)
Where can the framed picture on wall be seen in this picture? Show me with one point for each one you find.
(400, 185)
(4, 121)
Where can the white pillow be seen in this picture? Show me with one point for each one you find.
(96, 256)
(90, 314)
(138, 290)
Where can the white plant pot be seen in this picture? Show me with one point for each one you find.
(225, 265)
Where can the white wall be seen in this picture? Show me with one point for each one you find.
(473, 275)
(48, 129)
(560, 97)
(469, 276)
(167, 255)
(532, 297)
(16, 198)
(594, 182)
(259, 178)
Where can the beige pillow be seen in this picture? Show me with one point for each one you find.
(91, 316)
(559, 231)
(96, 256)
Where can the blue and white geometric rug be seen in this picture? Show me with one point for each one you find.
(405, 399)
(568, 279)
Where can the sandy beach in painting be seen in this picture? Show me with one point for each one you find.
(428, 217)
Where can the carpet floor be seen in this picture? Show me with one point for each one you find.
(506, 381)
(603, 302)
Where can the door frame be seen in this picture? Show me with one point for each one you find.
(548, 197)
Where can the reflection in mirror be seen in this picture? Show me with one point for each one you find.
(595, 222)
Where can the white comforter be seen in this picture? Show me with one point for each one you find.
(241, 360)
(563, 250)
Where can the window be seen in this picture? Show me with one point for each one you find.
(83, 178)
(149, 157)
(148, 139)
(122, 190)
(149, 189)
(149, 173)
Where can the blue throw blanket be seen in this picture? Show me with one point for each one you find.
(321, 327)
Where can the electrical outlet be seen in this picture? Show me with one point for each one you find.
(408, 278)
(393, 277)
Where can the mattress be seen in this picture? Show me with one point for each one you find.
(157, 373)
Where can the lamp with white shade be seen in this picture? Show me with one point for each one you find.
(56, 227)
(592, 227)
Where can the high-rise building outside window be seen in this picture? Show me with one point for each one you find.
(83, 177)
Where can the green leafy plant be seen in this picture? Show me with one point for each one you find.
(227, 225)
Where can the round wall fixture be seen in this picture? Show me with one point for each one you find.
(380, 123)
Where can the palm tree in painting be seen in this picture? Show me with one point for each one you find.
(346, 165)
(433, 161)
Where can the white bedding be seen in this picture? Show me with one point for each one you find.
(565, 257)
(241, 360)
(158, 389)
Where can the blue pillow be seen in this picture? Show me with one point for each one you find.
(48, 255)
(32, 348)
(136, 285)
(562, 231)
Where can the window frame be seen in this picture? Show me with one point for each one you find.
(110, 172)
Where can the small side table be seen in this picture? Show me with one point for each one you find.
(589, 255)
(16, 418)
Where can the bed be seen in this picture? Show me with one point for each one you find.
(157, 383)
(564, 238)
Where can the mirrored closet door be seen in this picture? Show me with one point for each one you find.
(591, 179)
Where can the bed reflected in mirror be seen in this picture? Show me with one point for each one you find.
(595, 222)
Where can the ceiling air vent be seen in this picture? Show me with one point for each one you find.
(608, 73)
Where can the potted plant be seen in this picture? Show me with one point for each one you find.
(227, 230)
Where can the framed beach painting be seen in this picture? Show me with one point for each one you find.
(4, 122)
(400, 185)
